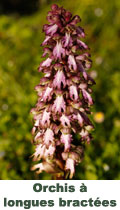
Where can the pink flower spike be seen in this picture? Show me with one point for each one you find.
(70, 165)
(47, 94)
(59, 104)
(73, 93)
(65, 121)
(48, 136)
(87, 96)
(64, 96)
(58, 51)
(59, 80)
(72, 62)
(45, 118)
(66, 140)
(51, 29)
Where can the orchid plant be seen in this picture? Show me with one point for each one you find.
(64, 97)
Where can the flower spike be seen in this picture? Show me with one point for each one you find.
(64, 96)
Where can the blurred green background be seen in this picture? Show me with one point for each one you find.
(20, 54)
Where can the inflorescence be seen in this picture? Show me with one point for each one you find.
(64, 96)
